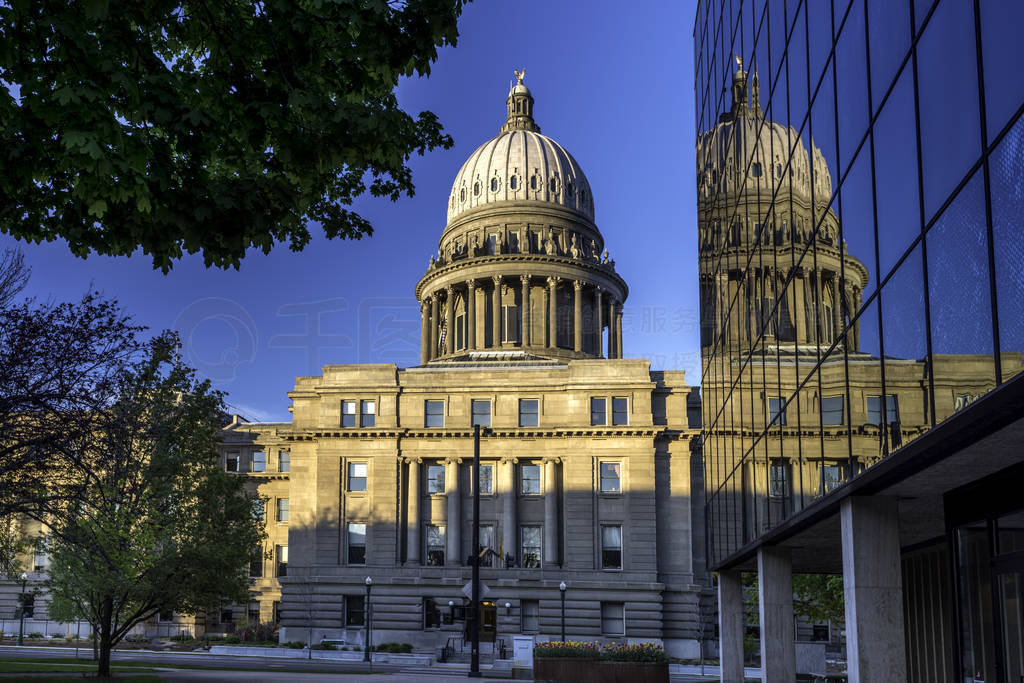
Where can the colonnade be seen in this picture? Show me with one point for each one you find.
(508, 494)
(437, 310)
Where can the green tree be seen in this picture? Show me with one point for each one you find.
(191, 125)
(145, 520)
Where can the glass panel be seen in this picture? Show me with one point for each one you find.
(948, 87)
(958, 292)
(434, 411)
(1007, 208)
(610, 477)
(889, 35)
(1011, 609)
(1010, 529)
(482, 413)
(284, 461)
(597, 411)
(1000, 45)
(435, 478)
(369, 412)
(833, 411)
(851, 82)
(819, 30)
(527, 413)
(976, 616)
(259, 461)
(486, 479)
(530, 475)
(348, 413)
(895, 145)
(620, 414)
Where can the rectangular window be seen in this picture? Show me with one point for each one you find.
(256, 564)
(259, 461)
(778, 479)
(620, 411)
(357, 476)
(777, 411)
(231, 464)
(41, 558)
(598, 411)
(831, 477)
(832, 410)
(611, 547)
(530, 542)
(227, 616)
(433, 414)
(259, 509)
(611, 477)
(355, 609)
(348, 413)
(435, 478)
(486, 545)
(513, 242)
(284, 461)
(28, 605)
(613, 619)
(892, 413)
(529, 479)
(530, 612)
(460, 332)
(282, 509)
(276, 609)
(486, 480)
(367, 413)
(492, 243)
(281, 552)
(820, 634)
(254, 612)
(510, 324)
(528, 409)
(431, 614)
(481, 413)
(435, 545)
(356, 543)
(166, 615)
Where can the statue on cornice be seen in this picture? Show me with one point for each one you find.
(574, 248)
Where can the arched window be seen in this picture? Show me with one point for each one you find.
(494, 184)
(476, 189)
(513, 183)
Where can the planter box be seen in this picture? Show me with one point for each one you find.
(570, 669)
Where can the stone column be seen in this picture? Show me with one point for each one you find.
(412, 548)
(553, 311)
(730, 625)
(432, 353)
(611, 327)
(496, 313)
(775, 600)
(550, 514)
(618, 330)
(471, 315)
(524, 319)
(599, 321)
(509, 523)
(577, 318)
(873, 589)
(453, 554)
(424, 333)
(545, 339)
(797, 310)
(449, 320)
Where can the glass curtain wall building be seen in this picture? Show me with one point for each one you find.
(861, 259)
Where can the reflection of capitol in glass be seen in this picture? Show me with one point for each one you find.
(800, 394)
(862, 322)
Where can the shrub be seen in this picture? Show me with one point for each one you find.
(295, 644)
(232, 640)
(36, 634)
(255, 630)
(614, 652)
(182, 637)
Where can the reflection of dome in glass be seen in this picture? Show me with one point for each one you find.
(520, 164)
(742, 135)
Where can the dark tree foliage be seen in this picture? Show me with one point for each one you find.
(147, 520)
(193, 125)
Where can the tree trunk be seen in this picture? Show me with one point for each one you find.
(106, 614)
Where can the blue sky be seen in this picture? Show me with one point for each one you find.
(613, 84)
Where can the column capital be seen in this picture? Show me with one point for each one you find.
(448, 289)
(509, 460)
(471, 283)
(553, 280)
(497, 280)
(551, 459)
(411, 461)
(577, 284)
(525, 279)
(452, 461)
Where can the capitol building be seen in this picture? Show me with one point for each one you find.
(591, 474)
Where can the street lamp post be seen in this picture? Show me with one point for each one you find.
(561, 589)
(21, 623)
(366, 618)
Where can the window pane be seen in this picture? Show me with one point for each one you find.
(356, 533)
(889, 35)
(354, 610)
(528, 413)
(369, 412)
(610, 477)
(434, 411)
(348, 413)
(357, 476)
(259, 461)
(950, 135)
(284, 461)
(1007, 209)
(282, 509)
(597, 411)
(482, 413)
(530, 475)
(1000, 44)
(620, 414)
(486, 479)
(435, 478)
(832, 412)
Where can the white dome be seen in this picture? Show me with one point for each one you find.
(520, 165)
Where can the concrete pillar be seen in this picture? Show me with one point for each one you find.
(730, 625)
(550, 514)
(509, 523)
(618, 330)
(553, 311)
(496, 313)
(412, 548)
(524, 321)
(775, 600)
(449, 320)
(433, 327)
(873, 589)
(577, 318)
(599, 321)
(471, 315)
(453, 554)
(424, 333)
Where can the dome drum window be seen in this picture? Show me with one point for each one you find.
(476, 189)
(495, 184)
(553, 185)
(462, 195)
(513, 183)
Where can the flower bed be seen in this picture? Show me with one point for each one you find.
(591, 661)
